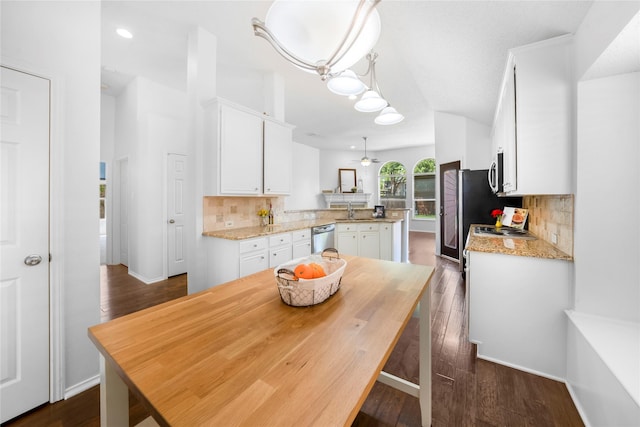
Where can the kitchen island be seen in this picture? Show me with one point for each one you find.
(235, 354)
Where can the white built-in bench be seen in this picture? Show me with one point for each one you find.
(603, 369)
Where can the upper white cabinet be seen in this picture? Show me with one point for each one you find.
(533, 118)
(246, 153)
(278, 157)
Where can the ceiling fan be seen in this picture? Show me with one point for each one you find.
(366, 161)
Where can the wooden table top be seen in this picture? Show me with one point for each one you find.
(235, 354)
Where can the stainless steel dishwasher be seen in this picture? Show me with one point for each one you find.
(322, 237)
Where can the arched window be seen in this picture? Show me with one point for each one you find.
(392, 183)
(424, 189)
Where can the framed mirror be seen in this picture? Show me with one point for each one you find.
(347, 180)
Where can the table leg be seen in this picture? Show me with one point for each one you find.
(114, 397)
(425, 358)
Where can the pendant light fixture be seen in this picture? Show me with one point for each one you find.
(304, 32)
(372, 100)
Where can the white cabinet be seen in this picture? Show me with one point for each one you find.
(245, 153)
(347, 238)
(391, 241)
(278, 158)
(516, 310)
(231, 259)
(240, 152)
(532, 125)
(301, 243)
(280, 249)
(380, 240)
(369, 240)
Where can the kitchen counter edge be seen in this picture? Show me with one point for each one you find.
(259, 231)
(536, 248)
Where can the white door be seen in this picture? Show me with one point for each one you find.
(176, 236)
(124, 212)
(24, 243)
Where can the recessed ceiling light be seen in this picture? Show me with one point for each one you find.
(124, 33)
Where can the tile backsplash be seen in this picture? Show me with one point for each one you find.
(549, 215)
(218, 212)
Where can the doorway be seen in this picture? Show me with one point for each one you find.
(176, 235)
(449, 209)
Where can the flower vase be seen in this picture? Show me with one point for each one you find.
(498, 223)
(265, 220)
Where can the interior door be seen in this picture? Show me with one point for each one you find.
(449, 209)
(176, 235)
(24, 242)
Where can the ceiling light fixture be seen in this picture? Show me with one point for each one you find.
(304, 33)
(372, 100)
(123, 32)
(365, 161)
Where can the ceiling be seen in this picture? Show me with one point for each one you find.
(446, 56)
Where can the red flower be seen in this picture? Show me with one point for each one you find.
(496, 212)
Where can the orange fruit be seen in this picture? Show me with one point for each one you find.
(303, 271)
(318, 271)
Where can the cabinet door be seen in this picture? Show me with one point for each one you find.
(509, 140)
(253, 262)
(240, 152)
(278, 158)
(369, 244)
(279, 256)
(386, 242)
(348, 243)
(301, 249)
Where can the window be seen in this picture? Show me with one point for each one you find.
(393, 185)
(424, 189)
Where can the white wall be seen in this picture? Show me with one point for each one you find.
(606, 259)
(61, 40)
(332, 160)
(305, 185)
(150, 123)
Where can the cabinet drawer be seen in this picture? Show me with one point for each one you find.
(341, 227)
(369, 226)
(253, 245)
(301, 235)
(279, 240)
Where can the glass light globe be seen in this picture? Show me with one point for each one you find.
(313, 30)
(370, 101)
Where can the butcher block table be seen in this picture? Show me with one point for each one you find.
(236, 355)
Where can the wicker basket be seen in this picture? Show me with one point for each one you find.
(306, 292)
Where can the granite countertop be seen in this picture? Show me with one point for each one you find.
(536, 248)
(258, 231)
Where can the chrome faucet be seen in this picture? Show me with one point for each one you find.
(350, 211)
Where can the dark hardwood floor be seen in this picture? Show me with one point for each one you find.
(466, 391)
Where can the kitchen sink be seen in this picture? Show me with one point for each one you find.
(511, 233)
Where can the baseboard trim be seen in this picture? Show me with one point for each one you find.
(522, 368)
(145, 280)
(82, 386)
(579, 408)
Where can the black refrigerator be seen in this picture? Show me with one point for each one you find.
(476, 200)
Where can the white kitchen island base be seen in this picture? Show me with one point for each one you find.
(516, 311)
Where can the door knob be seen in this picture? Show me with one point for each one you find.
(32, 260)
(172, 221)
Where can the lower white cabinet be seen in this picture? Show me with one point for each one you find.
(231, 259)
(516, 311)
(280, 250)
(380, 240)
(301, 243)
